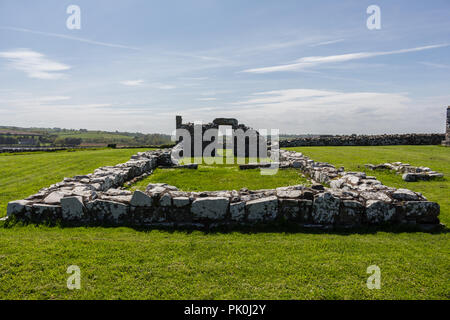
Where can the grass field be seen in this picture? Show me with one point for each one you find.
(124, 263)
(221, 177)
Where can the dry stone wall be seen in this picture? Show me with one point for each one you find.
(409, 173)
(349, 199)
(366, 140)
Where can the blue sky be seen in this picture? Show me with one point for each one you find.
(299, 66)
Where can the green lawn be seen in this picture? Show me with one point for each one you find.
(165, 264)
(222, 177)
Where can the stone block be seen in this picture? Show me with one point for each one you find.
(214, 208)
(16, 207)
(378, 211)
(181, 202)
(141, 199)
(263, 209)
(237, 211)
(72, 208)
(325, 208)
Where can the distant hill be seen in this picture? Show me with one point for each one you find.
(12, 136)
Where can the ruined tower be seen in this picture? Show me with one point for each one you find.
(251, 137)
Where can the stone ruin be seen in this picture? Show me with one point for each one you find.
(252, 137)
(409, 173)
(337, 198)
(446, 142)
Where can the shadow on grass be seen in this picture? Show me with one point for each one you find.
(277, 227)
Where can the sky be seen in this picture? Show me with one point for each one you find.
(303, 67)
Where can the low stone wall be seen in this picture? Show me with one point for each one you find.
(352, 199)
(409, 173)
(30, 149)
(367, 140)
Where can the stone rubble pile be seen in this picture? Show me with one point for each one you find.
(409, 173)
(353, 199)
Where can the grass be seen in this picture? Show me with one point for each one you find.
(221, 177)
(23, 174)
(124, 263)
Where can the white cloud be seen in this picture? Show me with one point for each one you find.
(132, 83)
(34, 64)
(308, 62)
(207, 99)
(163, 86)
(435, 65)
(334, 112)
(324, 43)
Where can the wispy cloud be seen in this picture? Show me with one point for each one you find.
(207, 99)
(132, 83)
(308, 62)
(324, 43)
(163, 86)
(435, 65)
(63, 36)
(34, 64)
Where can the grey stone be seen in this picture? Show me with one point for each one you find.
(325, 208)
(264, 209)
(166, 200)
(422, 209)
(42, 210)
(226, 122)
(140, 199)
(16, 207)
(237, 211)
(210, 208)
(72, 208)
(409, 177)
(181, 201)
(405, 195)
(109, 210)
(288, 193)
(378, 211)
(352, 212)
(381, 196)
(289, 209)
(337, 183)
(54, 197)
